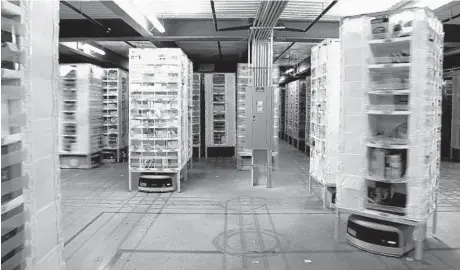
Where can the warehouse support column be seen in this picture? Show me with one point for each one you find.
(43, 191)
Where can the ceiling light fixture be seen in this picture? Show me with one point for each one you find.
(83, 47)
(92, 48)
(290, 70)
(137, 11)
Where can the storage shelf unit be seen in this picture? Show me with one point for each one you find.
(189, 87)
(244, 80)
(296, 112)
(324, 115)
(80, 116)
(389, 141)
(282, 108)
(307, 115)
(115, 114)
(16, 235)
(159, 138)
(452, 85)
(196, 112)
(220, 111)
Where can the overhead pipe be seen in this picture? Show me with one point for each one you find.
(309, 27)
(267, 10)
(268, 20)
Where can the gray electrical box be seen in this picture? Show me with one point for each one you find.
(259, 118)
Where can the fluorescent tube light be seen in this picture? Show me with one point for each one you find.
(156, 23)
(92, 48)
(140, 10)
(83, 47)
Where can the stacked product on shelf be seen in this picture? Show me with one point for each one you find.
(324, 120)
(80, 116)
(115, 114)
(159, 139)
(220, 114)
(189, 94)
(391, 72)
(244, 80)
(297, 112)
(196, 113)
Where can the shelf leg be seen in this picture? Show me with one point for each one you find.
(337, 225)
(435, 217)
(419, 243)
(324, 191)
(178, 182)
(186, 174)
(130, 181)
(309, 184)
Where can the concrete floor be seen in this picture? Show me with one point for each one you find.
(220, 222)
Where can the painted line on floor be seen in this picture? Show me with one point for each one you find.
(317, 251)
(83, 229)
(91, 222)
(113, 261)
(185, 213)
(221, 214)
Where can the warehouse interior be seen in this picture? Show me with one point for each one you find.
(252, 198)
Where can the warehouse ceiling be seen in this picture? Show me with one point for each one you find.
(191, 26)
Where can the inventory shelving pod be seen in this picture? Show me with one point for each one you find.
(296, 112)
(80, 116)
(452, 88)
(196, 113)
(282, 108)
(159, 138)
(115, 114)
(220, 120)
(189, 135)
(391, 68)
(244, 80)
(15, 178)
(307, 115)
(324, 118)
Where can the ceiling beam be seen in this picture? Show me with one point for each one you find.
(309, 26)
(122, 14)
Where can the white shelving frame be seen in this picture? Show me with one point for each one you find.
(324, 116)
(220, 91)
(196, 113)
(159, 138)
(367, 122)
(244, 80)
(115, 113)
(80, 116)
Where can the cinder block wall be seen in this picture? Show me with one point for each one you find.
(42, 77)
